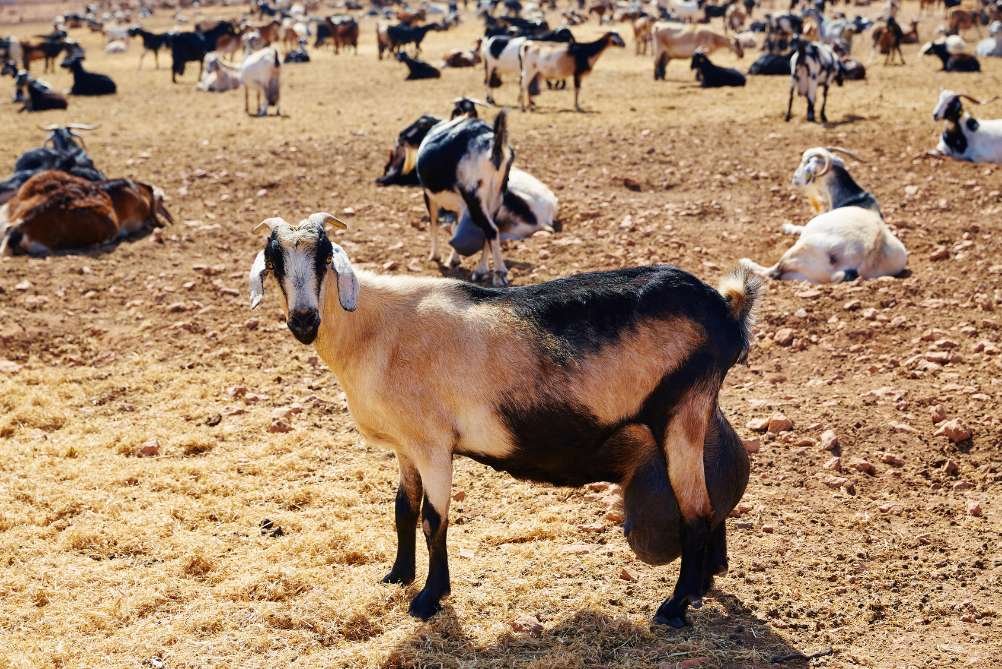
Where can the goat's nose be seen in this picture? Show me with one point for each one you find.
(304, 324)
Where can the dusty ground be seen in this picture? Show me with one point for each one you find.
(114, 560)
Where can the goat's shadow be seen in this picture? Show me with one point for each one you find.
(591, 638)
(848, 119)
(97, 250)
(464, 274)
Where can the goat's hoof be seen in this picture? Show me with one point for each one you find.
(400, 576)
(671, 614)
(478, 276)
(425, 605)
(500, 279)
(455, 262)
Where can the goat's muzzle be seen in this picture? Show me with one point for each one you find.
(304, 324)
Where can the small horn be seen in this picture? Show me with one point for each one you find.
(975, 100)
(845, 152)
(81, 126)
(322, 219)
(48, 128)
(272, 223)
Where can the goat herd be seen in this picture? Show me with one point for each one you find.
(606, 376)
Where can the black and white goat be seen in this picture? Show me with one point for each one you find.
(606, 376)
(952, 62)
(463, 165)
(40, 96)
(501, 56)
(812, 65)
(418, 69)
(714, 76)
(965, 137)
(84, 82)
(848, 239)
(152, 43)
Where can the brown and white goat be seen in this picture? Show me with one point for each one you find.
(606, 376)
(56, 211)
(556, 62)
(674, 40)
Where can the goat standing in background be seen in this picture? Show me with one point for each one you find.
(812, 65)
(558, 62)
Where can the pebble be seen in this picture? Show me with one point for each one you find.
(939, 253)
(576, 549)
(852, 305)
(937, 414)
(459, 495)
(951, 468)
(279, 426)
(892, 459)
(529, 624)
(783, 336)
(8, 366)
(835, 481)
(834, 464)
(861, 465)
(626, 575)
(23, 285)
(829, 440)
(149, 449)
(779, 423)
(953, 430)
(758, 424)
(974, 508)
(752, 445)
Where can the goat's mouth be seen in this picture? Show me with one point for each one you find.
(304, 326)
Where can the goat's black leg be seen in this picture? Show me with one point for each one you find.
(789, 106)
(716, 556)
(810, 109)
(824, 105)
(688, 589)
(577, 91)
(406, 508)
(437, 479)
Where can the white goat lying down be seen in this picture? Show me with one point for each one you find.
(217, 76)
(848, 240)
(965, 137)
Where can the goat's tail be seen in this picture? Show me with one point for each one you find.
(740, 289)
(500, 137)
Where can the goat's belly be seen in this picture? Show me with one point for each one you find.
(553, 447)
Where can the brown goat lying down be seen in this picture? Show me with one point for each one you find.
(56, 211)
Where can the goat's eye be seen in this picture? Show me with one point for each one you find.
(330, 258)
(268, 265)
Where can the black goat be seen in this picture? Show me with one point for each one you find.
(87, 83)
(60, 152)
(770, 64)
(418, 69)
(151, 42)
(186, 47)
(952, 62)
(714, 76)
(395, 37)
(40, 96)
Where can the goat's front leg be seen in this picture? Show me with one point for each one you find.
(500, 269)
(432, 227)
(824, 105)
(406, 508)
(436, 475)
(482, 269)
(789, 105)
(577, 92)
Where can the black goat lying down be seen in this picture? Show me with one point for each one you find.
(606, 376)
(418, 69)
(84, 82)
(60, 152)
(770, 64)
(714, 76)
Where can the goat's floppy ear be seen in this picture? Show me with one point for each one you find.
(347, 283)
(256, 277)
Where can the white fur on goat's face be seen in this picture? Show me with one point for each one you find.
(809, 259)
(299, 258)
(946, 98)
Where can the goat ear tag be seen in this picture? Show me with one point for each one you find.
(256, 277)
(347, 284)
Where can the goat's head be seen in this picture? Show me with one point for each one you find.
(699, 60)
(814, 172)
(613, 39)
(949, 106)
(299, 258)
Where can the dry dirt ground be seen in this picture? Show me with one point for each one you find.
(113, 560)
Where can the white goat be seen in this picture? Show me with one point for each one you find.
(848, 240)
(261, 71)
(965, 137)
(217, 76)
